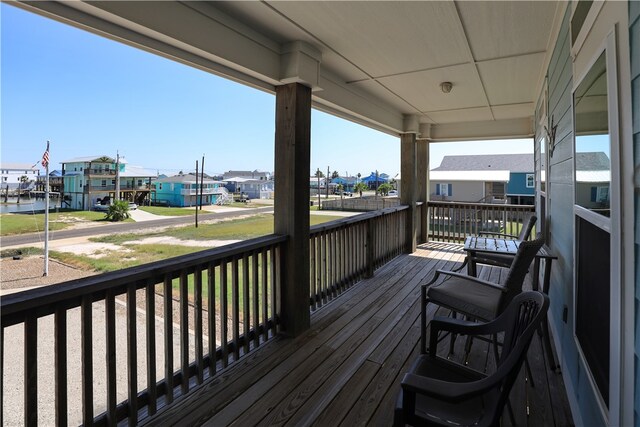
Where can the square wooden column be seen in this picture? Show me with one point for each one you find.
(408, 161)
(422, 187)
(291, 208)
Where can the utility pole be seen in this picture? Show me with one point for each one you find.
(196, 194)
(201, 183)
(326, 181)
(117, 189)
(318, 175)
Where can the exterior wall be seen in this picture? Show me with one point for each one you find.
(634, 37)
(171, 194)
(462, 191)
(561, 189)
(517, 184)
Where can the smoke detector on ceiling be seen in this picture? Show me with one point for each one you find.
(446, 87)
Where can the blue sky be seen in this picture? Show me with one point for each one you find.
(90, 95)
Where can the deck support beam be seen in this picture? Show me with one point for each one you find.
(408, 170)
(422, 187)
(291, 208)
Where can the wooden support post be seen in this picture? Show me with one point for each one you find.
(291, 207)
(422, 187)
(408, 170)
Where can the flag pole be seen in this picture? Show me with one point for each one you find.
(46, 213)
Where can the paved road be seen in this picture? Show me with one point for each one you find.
(123, 227)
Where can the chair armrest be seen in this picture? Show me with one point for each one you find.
(464, 327)
(469, 278)
(491, 233)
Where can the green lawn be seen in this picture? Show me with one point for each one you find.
(237, 229)
(11, 224)
(163, 211)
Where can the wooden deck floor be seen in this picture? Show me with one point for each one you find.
(346, 369)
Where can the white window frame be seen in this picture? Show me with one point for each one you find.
(533, 180)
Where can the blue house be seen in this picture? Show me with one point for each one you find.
(181, 191)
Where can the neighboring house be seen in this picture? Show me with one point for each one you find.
(87, 181)
(11, 174)
(374, 180)
(347, 182)
(253, 188)
(181, 190)
(256, 174)
(55, 182)
(484, 178)
(593, 177)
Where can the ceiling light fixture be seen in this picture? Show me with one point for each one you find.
(446, 87)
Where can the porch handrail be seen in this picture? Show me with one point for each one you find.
(346, 250)
(248, 274)
(453, 221)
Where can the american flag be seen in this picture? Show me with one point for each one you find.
(45, 157)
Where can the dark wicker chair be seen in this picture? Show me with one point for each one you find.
(437, 391)
(476, 298)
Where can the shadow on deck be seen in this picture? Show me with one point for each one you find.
(347, 368)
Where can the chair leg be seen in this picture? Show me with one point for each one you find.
(423, 320)
(452, 339)
(467, 349)
(529, 374)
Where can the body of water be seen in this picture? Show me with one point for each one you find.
(27, 205)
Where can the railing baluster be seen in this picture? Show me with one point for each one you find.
(31, 370)
(224, 325)
(197, 314)
(86, 332)
(246, 302)
(211, 287)
(275, 285)
(184, 331)
(150, 306)
(312, 276)
(110, 356)
(265, 294)
(132, 354)
(60, 331)
(168, 336)
(256, 298)
(235, 307)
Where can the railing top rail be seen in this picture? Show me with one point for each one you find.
(354, 219)
(471, 204)
(43, 299)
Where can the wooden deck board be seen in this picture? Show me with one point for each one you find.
(347, 368)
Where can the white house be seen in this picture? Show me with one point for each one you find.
(11, 173)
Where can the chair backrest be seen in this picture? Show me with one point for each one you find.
(520, 320)
(525, 231)
(519, 268)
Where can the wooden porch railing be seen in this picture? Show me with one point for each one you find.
(222, 301)
(344, 251)
(453, 221)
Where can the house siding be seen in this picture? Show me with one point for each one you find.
(518, 184)
(466, 191)
(560, 192)
(634, 47)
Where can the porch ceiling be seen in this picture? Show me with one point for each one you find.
(372, 62)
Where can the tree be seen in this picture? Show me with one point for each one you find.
(319, 174)
(385, 188)
(335, 175)
(359, 175)
(118, 211)
(360, 187)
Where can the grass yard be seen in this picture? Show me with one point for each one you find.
(164, 211)
(22, 223)
(237, 229)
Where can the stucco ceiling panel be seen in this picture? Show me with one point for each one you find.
(513, 111)
(511, 80)
(383, 38)
(466, 115)
(423, 89)
(498, 29)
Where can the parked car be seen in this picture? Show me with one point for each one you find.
(393, 193)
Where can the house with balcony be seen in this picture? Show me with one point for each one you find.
(89, 180)
(292, 346)
(187, 190)
(255, 174)
(11, 175)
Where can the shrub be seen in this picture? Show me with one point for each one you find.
(118, 211)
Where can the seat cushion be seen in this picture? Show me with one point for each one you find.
(467, 297)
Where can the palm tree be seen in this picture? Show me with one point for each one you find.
(360, 187)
